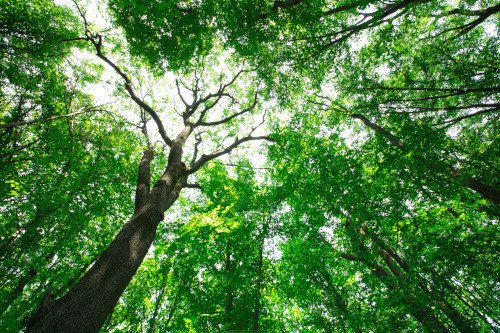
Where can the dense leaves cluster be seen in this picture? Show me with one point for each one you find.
(374, 207)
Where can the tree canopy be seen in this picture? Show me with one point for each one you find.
(249, 166)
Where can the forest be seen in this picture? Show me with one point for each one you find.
(294, 166)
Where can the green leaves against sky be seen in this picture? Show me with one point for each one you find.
(372, 206)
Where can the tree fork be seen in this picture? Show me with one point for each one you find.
(88, 304)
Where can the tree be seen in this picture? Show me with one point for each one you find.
(95, 295)
(374, 229)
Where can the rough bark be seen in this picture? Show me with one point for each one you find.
(86, 306)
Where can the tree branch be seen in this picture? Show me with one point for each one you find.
(379, 271)
(376, 18)
(482, 15)
(96, 40)
(143, 180)
(340, 9)
(42, 120)
(228, 119)
(206, 158)
(194, 186)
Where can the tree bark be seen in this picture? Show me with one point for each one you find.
(86, 306)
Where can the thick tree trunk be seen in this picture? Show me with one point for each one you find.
(87, 305)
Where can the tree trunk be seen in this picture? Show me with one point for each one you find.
(229, 286)
(87, 305)
(488, 192)
(421, 312)
(159, 300)
(8, 299)
(388, 255)
(258, 287)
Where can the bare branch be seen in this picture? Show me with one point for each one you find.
(42, 120)
(481, 15)
(377, 18)
(179, 93)
(96, 40)
(224, 87)
(458, 119)
(340, 9)
(228, 119)
(194, 186)
(206, 158)
(261, 122)
(208, 108)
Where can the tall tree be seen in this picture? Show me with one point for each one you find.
(87, 304)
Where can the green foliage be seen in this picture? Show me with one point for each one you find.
(376, 209)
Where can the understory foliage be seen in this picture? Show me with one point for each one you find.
(334, 164)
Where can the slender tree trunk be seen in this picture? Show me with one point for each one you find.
(8, 299)
(422, 313)
(21, 285)
(338, 301)
(390, 257)
(488, 192)
(159, 300)
(258, 287)
(229, 286)
(173, 307)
